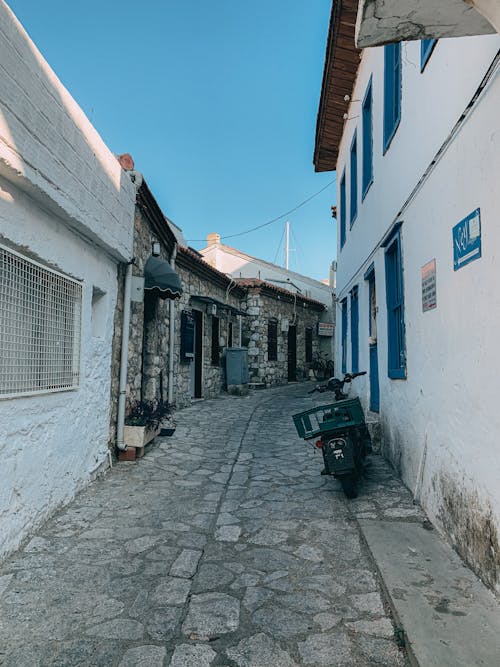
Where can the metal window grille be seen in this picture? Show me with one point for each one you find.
(40, 326)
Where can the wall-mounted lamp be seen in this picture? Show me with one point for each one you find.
(155, 248)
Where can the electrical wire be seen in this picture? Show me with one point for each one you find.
(270, 222)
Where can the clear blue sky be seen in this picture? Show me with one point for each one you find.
(216, 102)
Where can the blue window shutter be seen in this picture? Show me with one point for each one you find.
(395, 309)
(344, 335)
(342, 211)
(354, 330)
(426, 48)
(354, 178)
(392, 91)
(367, 117)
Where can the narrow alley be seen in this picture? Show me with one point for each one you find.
(222, 546)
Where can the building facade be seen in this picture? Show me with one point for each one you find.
(413, 132)
(66, 221)
(240, 265)
(281, 332)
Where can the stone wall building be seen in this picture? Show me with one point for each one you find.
(280, 330)
(211, 302)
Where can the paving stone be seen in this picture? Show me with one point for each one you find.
(281, 622)
(144, 656)
(187, 655)
(370, 603)
(228, 533)
(186, 563)
(120, 628)
(326, 650)
(309, 553)
(171, 591)
(211, 576)
(260, 651)
(381, 627)
(326, 620)
(211, 614)
(256, 596)
(163, 624)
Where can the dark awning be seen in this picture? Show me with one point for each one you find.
(219, 304)
(161, 279)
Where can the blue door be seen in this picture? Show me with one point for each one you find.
(374, 388)
(354, 330)
(372, 330)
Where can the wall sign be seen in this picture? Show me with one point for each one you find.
(325, 328)
(467, 240)
(429, 300)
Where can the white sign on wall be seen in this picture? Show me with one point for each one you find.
(429, 299)
(325, 328)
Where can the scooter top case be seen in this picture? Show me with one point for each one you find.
(323, 419)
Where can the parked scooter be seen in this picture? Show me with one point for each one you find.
(344, 438)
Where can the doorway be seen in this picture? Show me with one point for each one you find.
(195, 378)
(292, 353)
(373, 352)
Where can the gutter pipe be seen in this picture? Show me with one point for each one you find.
(124, 358)
(171, 333)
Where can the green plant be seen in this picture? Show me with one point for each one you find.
(148, 413)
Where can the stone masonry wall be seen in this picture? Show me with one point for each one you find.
(260, 309)
(213, 377)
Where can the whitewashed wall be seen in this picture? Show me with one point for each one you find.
(441, 424)
(64, 201)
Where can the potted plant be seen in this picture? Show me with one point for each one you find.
(141, 424)
(166, 421)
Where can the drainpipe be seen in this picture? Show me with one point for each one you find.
(171, 332)
(124, 357)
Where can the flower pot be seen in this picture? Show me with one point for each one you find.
(138, 436)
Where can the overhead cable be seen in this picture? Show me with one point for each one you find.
(270, 222)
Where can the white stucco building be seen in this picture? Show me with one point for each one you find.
(413, 131)
(66, 221)
(238, 264)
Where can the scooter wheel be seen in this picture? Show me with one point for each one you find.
(349, 486)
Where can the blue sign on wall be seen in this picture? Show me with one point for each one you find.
(467, 240)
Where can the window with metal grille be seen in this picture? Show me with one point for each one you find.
(40, 327)
(272, 340)
(309, 344)
(215, 341)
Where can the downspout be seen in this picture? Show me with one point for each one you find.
(124, 357)
(171, 333)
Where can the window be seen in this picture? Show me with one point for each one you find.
(272, 340)
(215, 341)
(40, 325)
(309, 344)
(230, 334)
(367, 139)
(392, 91)
(395, 308)
(354, 330)
(342, 211)
(426, 48)
(344, 335)
(354, 178)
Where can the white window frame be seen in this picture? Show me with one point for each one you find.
(40, 330)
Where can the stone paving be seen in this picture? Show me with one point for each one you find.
(223, 546)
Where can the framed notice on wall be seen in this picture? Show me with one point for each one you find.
(429, 300)
(325, 328)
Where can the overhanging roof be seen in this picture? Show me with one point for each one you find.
(339, 75)
(219, 304)
(384, 21)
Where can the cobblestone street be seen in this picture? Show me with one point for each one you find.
(223, 546)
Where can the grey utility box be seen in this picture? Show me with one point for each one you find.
(236, 369)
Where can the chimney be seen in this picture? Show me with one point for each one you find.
(213, 239)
